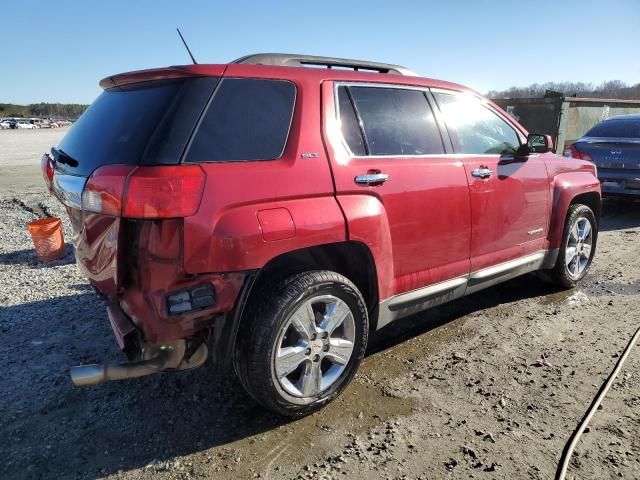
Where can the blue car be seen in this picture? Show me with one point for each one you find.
(613, 145)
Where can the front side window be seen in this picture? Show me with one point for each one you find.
(248, 119)
(474, 128)
(395, 121)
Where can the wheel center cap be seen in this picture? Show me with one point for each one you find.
(316, 346)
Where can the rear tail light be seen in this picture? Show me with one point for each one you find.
(104, 191)
(47, 169)
(164, 192)
(144, 192)
(572, 152)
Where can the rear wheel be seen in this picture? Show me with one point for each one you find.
(303, 342)
(578, 246)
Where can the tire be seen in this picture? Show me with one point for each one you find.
(274, 339)
(567, 271)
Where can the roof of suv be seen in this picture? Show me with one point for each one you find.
(289, 66)
(296, 60)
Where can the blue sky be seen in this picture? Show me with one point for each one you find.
(58, 50)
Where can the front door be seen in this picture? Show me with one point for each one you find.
(509, 195)
(400, 191)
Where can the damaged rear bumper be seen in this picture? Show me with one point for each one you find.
(213, 334)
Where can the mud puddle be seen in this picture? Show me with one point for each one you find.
(593, 286)
(607, 288)
(365, 404)
(317, 435)
(557, 298)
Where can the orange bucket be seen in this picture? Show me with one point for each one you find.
(48, 238)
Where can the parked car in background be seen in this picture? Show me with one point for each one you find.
(272, 214)
(26, 125)
(613, 145)
(49, 124)
(8, 123)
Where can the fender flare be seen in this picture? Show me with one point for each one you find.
(565, 188)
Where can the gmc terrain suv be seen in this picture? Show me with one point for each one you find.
(271, 215)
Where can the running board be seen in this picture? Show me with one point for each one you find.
(406, 304)
(415, 301)
(502, 272)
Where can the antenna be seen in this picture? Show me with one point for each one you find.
(187, 47)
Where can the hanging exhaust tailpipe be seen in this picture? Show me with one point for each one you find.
(171, 357)
(95, 373)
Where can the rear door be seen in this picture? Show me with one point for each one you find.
(509, 195)
(390, 164)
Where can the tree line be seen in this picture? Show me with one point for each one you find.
(611, 89)
(58, 111)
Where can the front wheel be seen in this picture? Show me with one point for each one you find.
(578, 246)
(302, 342)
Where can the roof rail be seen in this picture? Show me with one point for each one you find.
(293, 60)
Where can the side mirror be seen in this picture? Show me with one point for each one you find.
(539, 143)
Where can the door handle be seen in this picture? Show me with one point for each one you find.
(482, 172)
(372, 179)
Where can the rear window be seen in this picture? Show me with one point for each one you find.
(626, 128)
(120, 125)
(248, 119)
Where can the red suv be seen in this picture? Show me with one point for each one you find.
(272, 214)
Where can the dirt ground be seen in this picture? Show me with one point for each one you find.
(20, 154)
(450, 393)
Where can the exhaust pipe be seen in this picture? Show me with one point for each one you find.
(94, 374)
(173, 357)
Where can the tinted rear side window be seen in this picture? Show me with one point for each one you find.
(396, 121)
(248, 119)
(622, 128)
(119, 124)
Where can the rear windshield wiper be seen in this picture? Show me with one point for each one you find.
(60, 156)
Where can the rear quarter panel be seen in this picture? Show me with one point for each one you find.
(226, 233)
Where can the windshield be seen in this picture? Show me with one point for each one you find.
(143, 123)
(622, 128)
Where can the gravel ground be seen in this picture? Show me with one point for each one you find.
(451, 393)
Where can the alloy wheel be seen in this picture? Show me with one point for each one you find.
(578, 248)
(314, 346)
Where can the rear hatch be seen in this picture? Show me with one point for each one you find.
(123, 151)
